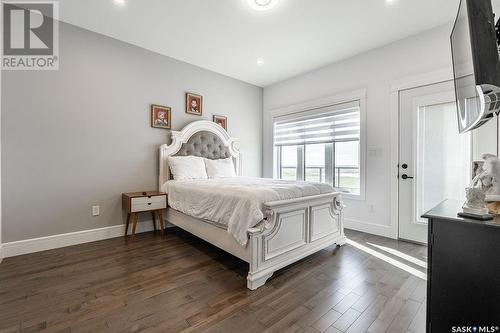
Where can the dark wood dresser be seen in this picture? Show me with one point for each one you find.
(463, 287)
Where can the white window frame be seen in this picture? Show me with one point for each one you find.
(313, 107)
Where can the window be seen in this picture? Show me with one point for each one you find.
(315, 162)
(321, 145)
(289, 162)
(347, 167)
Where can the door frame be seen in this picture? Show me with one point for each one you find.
(1, 246)
(396, 86)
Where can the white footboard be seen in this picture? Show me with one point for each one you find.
(293, 230)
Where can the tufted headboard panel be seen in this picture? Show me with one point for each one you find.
(204, 144)
(201, 138)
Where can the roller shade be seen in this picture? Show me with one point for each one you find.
(328, 124)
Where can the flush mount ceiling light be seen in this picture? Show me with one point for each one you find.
(262, 4)
(119, 2)
(260, 62)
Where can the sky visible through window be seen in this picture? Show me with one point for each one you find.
(346, 171)
(346, 155)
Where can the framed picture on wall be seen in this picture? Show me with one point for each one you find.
(194, 104)
(161, 116)
(221, 120)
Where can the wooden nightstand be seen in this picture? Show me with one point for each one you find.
(139, 202)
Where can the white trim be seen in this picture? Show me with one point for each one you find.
(311, 105)
(438, 76)
(369, 228)
(73, 238)
(319, 103)
(1, 52)
(394, 170)
(410, 82)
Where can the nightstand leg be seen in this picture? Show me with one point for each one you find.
(126, 225)
(162, 226)
(136, 220)
(154, 220)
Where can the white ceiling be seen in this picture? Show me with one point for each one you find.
(228, 37)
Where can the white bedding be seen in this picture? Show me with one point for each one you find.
(237, 202)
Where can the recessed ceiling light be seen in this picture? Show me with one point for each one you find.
(262, 4)
(260, 62)
(391, 2)
(119, 2)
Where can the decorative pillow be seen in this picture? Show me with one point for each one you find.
(222, 168)
(187, 167)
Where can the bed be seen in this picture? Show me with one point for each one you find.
(286, 221)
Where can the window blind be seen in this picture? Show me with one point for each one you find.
(327, 124)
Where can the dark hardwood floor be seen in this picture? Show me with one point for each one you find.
(180, 283)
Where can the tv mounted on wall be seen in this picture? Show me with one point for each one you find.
(476, 64)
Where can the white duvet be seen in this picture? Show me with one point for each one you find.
(236, 203)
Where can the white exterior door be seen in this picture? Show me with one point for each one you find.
(434, 159)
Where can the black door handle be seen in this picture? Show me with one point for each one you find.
(405, 176)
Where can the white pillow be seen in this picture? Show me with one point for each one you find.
(187, 167)
(220, 168)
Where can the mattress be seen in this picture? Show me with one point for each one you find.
(235, 203)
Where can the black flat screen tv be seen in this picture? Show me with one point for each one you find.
(476, 64)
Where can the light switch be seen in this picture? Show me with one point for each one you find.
(374, 151)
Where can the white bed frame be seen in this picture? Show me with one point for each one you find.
(292, 229)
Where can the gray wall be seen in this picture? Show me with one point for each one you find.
(81, 136)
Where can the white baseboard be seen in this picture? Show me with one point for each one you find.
(26, 246)
(370, 228)
(73, 238)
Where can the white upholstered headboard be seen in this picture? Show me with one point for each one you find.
(200, 138)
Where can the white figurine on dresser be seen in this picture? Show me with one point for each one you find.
(489, 178)
(485, 187)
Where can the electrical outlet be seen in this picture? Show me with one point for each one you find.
(96, 210)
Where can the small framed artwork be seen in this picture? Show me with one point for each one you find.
(221, 120)
(194, 104)
(161, 116)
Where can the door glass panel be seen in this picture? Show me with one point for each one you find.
(289, 162)
(442, 160)
(483, 140)
(315, 163)
(347, 175)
